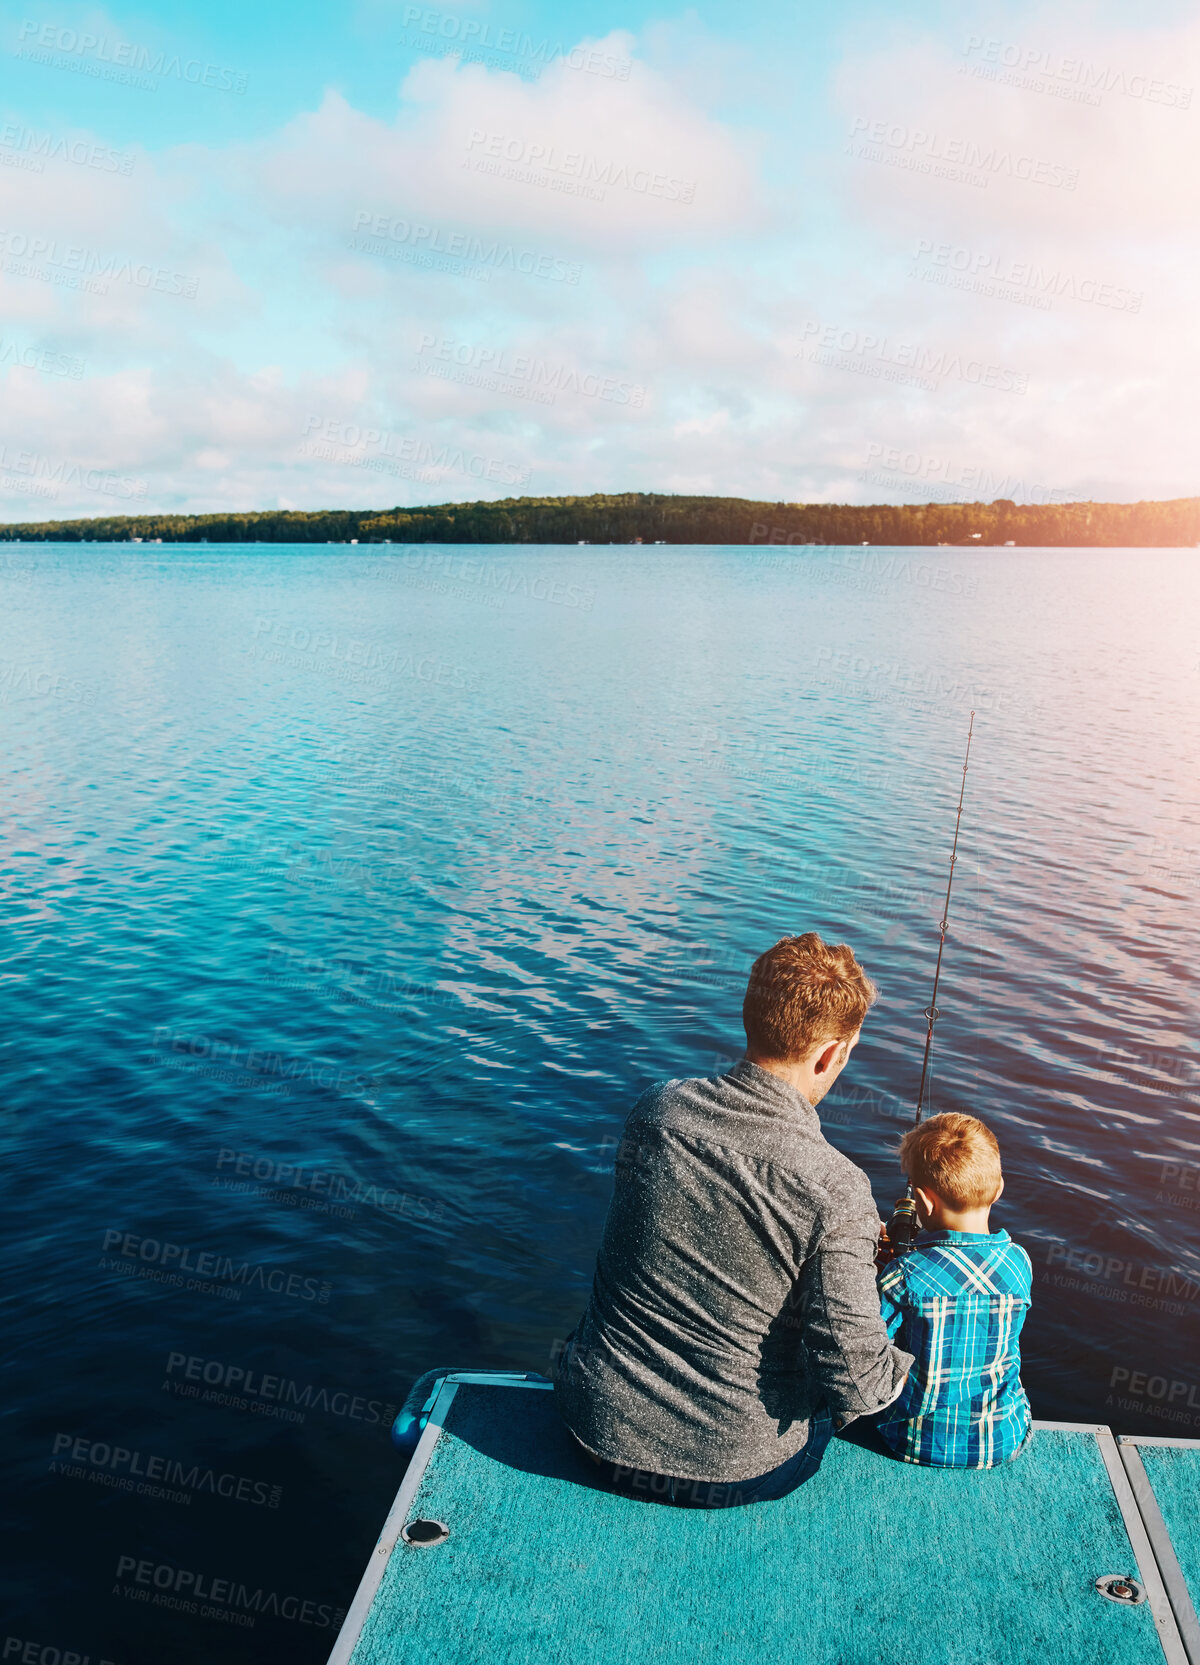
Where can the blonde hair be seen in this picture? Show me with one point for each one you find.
(801, 992)
(956, 1157)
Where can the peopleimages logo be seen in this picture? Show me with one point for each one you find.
(1130, 1274)
(41, 359)
(256, 1389)
(579, 165)
(75, 1456)
(1078, 72)
(222, 1595)
(986, 486)
(207, 1266)
(495, 368)
(1156, 1387)
(44, 1653)
(926, 150)
(1045, 282)
(356, 656)
(472, 36)
(84, 153)
(26, 680)
(448, 569)
(57, 474)
(411, 449)
(40, 38)
(936, 363)
(75, 260)
(255, 1061)
(487, 253)
(326, 1182)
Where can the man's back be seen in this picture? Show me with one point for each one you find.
(734, 1291)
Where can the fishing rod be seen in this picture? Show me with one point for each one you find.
(903, 1226)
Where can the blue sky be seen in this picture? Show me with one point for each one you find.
(387, 254)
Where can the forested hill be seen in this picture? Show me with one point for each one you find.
(650, 517)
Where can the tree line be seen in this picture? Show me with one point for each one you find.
(650, 517)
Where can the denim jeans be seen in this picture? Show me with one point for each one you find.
(719, 1494)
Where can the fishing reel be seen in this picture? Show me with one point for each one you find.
(903, 1226)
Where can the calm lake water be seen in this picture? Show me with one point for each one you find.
(353, 897)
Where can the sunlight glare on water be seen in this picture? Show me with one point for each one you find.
(354, 897)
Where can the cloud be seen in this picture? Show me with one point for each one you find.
(611, 167)
(1070, 131)
(109, 259)
(1009, 330)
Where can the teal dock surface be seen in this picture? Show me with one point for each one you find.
(1165, 1477)
(872, 1562)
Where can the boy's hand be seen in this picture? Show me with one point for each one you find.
(884, 1252)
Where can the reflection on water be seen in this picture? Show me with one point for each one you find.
(348, 918)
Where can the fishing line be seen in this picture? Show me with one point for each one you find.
(903, 1226)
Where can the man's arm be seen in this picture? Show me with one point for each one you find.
(851, 1357)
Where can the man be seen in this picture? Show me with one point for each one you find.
(734, 1318)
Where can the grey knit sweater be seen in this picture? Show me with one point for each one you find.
(734, 1292)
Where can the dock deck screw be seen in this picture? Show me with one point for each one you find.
(1116, 1587)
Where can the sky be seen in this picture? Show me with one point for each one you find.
(380, 254)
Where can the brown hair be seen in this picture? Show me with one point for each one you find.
(803, 992)
(954, 1156)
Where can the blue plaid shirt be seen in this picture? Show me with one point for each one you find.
(957, 1301)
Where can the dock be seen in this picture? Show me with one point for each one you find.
(499, 1548)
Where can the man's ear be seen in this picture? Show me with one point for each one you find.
(824, 1058)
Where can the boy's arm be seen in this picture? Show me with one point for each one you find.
(891, 1298)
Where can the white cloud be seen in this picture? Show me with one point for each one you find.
(608, 166)
(717, 311)
(1016, 110)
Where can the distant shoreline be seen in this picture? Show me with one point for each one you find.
(651, 518)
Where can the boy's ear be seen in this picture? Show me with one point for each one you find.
(1000, 1192)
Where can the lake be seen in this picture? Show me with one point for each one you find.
(355, 894)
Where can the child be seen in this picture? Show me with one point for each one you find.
(956, 1300)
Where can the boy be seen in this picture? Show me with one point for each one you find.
(956, 1301)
